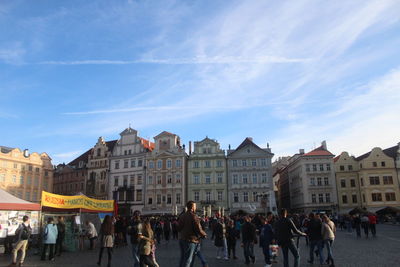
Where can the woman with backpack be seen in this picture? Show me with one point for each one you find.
(49, 239)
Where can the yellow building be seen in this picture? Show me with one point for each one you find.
(25, 175)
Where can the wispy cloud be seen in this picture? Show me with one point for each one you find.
(12, 54)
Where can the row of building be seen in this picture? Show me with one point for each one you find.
(160, 176)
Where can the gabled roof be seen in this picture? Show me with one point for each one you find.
(336, 158)
(319, 151)
(165, 133)
(390, 152)
(246, 142)
(128, 131)
(84, 157)
(111, 144)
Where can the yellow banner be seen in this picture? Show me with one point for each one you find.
(76, 202)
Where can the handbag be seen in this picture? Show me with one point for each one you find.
(274, 250)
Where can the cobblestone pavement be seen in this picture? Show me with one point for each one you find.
(384, 250)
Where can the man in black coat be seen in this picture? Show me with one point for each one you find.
(315, 237)
(249, 238)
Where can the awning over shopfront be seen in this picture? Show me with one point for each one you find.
(10, 202)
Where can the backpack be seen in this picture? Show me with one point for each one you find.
(24, 233)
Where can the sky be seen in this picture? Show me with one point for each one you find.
(287, 73)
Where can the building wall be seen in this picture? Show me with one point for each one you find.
(69, 180)
(347, 183)
(166, 176)
(127, 172)
(251, 196)
(381, 166)
(25, 176)
(207, 183)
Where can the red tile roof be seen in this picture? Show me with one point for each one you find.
(336, 158)
(319, 151)
(147, 144)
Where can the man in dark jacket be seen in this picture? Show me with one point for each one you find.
(266, 238)
(249, 238)
(135, 231)
(315, 237)
(190, 234)
(284, 234)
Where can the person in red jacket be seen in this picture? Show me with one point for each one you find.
(372, 224)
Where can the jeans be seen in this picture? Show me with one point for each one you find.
(135, 255)
(248, 249)
(373, 229)
(223, 251)
(267, 254)
(328, 243)
(285, 251)
(187, 253)
(200, 255)
(231, 248)
(320, 245)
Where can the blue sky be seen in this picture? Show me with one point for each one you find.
(291, 73)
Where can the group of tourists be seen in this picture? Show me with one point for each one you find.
(360, 223)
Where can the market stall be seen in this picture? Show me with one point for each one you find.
(76, 210)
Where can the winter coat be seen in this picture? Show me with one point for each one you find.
(266, 235)
(220, 234)
(328, 231)
(50, 234)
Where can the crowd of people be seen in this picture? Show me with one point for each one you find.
(270, 232)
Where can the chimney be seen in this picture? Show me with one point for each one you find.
(26, 153)
(301, 151)
(229, 147)
(323, 144)
(190, 147)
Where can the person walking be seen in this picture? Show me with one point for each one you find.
(146, 245)
(107, 239)
(200, 255)
(315, 237)
(266, 238)
(231, 236)
(249, 238)
(135, 231)
(372, 224)
(91, 233)
(50, 239)
(60, 236)
(167, 230)
(357, 224)
(23, 233)
(365, 224)
(190, 234)
(285, 229)
(328, 236)
(220, 240)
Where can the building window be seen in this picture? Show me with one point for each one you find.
(321, 198)
(353, 183)
(169, 164)
(387, 180)
(235, 197)
(196, 179)
(208, 164)
(362, 181)
(219, 163)
(234, 163)
(390, 196)
(29, 167)
(178, 198)
(150, 179)
(207, 179)
(327, 198)
(374, 180)
(341, 167)
(15, 166)
(117, 165)
(255, 197)
(314, 167)
(319, 181)
(2, 177)
(344, 199)
(132, 180)
(29, 181)
(350, 167)
(116, 181)
(196, 196)
(313, 198)
(343, 183)
(235, 179)
(158, 199)
(28, 195)
(264, 178)
(263, 162)
(139, 179)
(363, 196)
(328, 167)
(244, 162)
(21, 179)
(321, 167)
(178, 178)
(133, 163)
(253, 162)
(219, 177)
(244, 178)
(307, 167)
(150, 201)
(178, 163)
(140, 163)
(151, 164)
(219, 195)
(312, 181)
(169, 179)
(34, 196)
(374, 164)
(376, 197)
(255, 178)
(121, 196)
(196, 164)
(139, 195)
(326, 181)
(159, 179)
(159, 164)
(245, 197)
(169, 199)
(208, 196)
(383, 164)
(36, 181)
(126, 164)
(354, 198)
